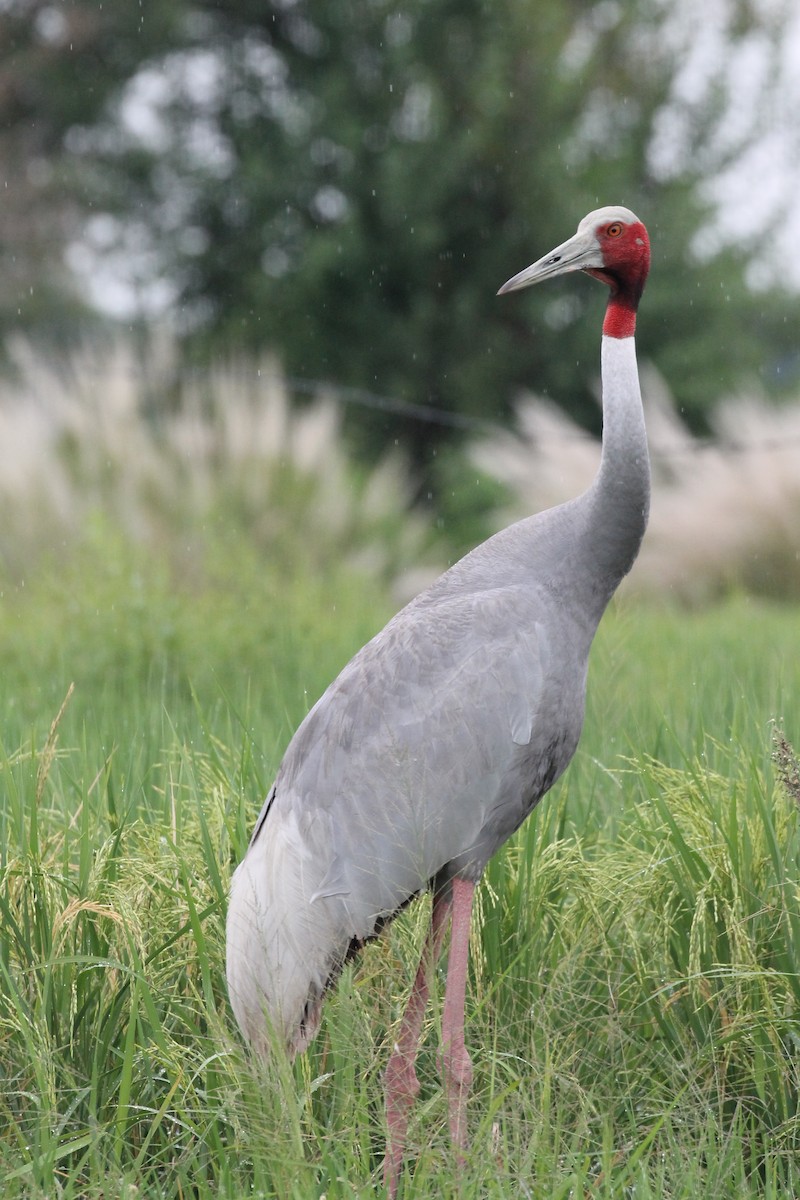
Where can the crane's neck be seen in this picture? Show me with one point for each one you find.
(619, 499)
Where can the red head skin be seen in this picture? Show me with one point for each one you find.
(611, 244)
(626, 261)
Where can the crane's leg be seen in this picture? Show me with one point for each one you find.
(455, 1061)
(401, 1083)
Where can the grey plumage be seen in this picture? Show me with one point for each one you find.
(439, 737)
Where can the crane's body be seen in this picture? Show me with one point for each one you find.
(444, 731)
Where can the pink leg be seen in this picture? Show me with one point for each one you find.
(455, 1061)
(401, 1083)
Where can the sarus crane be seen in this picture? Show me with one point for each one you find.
(442, 734)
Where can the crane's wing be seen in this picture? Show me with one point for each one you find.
(423, 753)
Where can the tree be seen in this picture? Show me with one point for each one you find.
(349, 183)
(59, 65)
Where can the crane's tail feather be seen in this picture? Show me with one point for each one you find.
(285, 945)
(299, 910)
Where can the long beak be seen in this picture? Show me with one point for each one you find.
(577, 254)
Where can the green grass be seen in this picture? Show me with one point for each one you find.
(633, 1010)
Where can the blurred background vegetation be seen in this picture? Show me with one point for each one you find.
(346, 185)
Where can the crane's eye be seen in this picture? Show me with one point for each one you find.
(614, 230)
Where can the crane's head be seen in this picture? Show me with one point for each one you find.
(612, 245)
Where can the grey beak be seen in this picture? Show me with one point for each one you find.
(576, 254)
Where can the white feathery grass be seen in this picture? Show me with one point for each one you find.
(545, 462)
(725, 512)
(161, 451)
(728, 513)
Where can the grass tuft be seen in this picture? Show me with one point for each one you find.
(787, 765)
